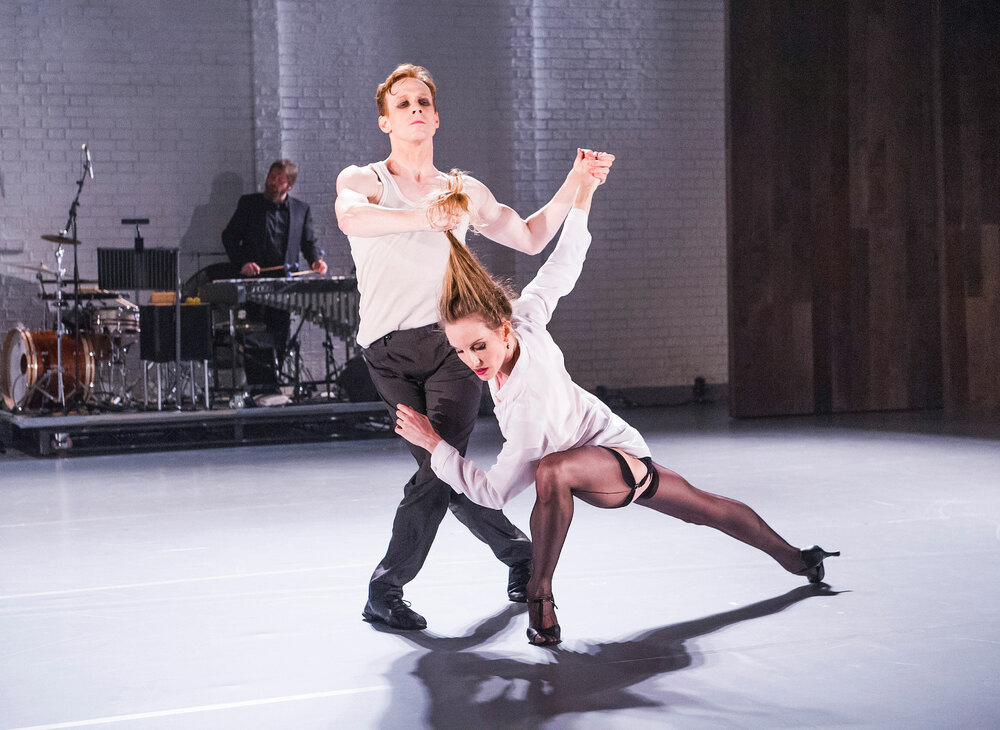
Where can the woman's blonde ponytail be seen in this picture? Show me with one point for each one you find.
(469, 290)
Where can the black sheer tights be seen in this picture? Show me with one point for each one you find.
(592, 475)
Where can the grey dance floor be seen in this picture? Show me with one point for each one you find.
(223, 589)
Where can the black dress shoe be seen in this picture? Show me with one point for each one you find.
(517, 581)
(394, 612)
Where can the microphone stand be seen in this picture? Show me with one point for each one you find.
(70, 230)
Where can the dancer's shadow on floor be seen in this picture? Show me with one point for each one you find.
(466, 688)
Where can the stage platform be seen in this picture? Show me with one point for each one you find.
(159, 430)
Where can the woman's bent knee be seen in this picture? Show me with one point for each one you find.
(552, 474)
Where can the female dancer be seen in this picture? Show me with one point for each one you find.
(558, 435)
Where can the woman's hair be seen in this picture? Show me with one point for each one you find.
(469, 290)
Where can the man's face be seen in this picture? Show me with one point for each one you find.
(409, 111)
(276, 186)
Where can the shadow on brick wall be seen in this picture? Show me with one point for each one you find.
(201, 244)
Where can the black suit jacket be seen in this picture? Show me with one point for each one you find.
(245, 236)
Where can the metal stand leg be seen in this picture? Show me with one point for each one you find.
(204, 367)
(232, 345)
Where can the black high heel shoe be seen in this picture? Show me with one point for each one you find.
(549, 636)
(813, 558)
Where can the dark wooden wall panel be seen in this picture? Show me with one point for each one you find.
(983, 327)
(890, 132)
(789, 69)
(971, 156)
(864, 142)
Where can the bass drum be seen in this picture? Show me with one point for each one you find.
(30, 359)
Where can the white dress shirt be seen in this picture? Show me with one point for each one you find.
(540, 409)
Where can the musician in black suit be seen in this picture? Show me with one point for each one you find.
(267, 233)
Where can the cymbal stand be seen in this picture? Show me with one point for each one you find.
(40, 385)
(61, 326)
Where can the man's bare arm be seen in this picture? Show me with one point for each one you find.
(530, 235)
(357, 214)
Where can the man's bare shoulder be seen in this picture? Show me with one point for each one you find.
(484, 205)
(359, 178)
(476, 190)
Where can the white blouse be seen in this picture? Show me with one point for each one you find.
(540, 409)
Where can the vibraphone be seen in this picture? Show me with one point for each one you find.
(330, 302)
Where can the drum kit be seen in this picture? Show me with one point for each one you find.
(83, 359)
(56, 369)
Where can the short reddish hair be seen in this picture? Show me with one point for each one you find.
(404, 71)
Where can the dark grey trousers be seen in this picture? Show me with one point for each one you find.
(418, 368)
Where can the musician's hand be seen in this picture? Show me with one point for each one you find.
(250, 269)
(319, 266)
(415, 428)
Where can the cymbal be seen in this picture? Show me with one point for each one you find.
(69, 296)
(69, 282)
(43, 269)
(56, 238)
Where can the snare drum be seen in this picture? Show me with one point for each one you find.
(118, 320)
(29, 356)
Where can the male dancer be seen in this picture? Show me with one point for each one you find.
(401, 255)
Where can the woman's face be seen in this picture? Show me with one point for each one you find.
(482, 348)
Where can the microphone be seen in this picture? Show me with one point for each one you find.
(90, 166)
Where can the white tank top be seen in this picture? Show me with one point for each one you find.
(399, 275)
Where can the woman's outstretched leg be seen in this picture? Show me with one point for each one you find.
(593, 475)
(677, 498)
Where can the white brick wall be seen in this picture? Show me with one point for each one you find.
(646, 81)
(521, 84)
(161, 94)
(185, 104)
